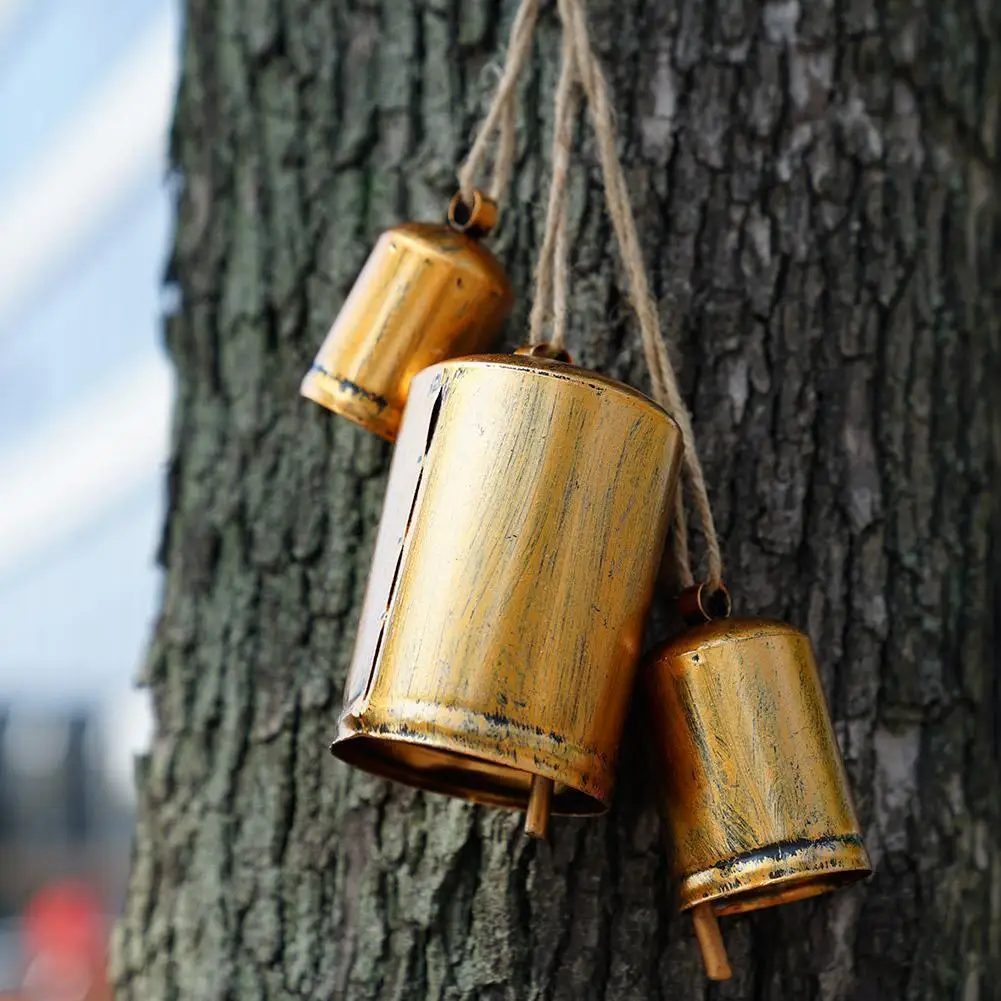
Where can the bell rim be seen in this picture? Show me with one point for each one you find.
(778, 873)
(553, 369)
(354, 745)
(347, 399)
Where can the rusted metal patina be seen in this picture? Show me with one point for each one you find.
(525, 517)
(427, 293)
(754, 788)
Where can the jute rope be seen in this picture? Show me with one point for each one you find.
(500, 117)
(552, 273)
(581, 66)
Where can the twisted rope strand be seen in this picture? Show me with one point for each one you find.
(552, 272)
(500, 116)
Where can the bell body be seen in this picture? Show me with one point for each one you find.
(526, 511)
(754, 788)
(427, 293)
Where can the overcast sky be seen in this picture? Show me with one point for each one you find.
(86, 88)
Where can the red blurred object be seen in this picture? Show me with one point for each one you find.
(66, 918)
(65, 939)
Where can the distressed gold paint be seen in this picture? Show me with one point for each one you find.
(525, 518)
(426, 293)
(755, 791)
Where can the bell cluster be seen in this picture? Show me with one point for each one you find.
(499, 644)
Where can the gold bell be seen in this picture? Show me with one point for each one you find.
(525, 515)
(427, 292)
(755, 792)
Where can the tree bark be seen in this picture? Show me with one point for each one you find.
(816, 184)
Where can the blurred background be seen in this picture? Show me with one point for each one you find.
(86, 91)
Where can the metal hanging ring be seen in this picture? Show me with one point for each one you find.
(474, 220)
(698, 604)
(546, 350)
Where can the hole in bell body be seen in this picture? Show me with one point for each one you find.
(426, 293)
(754, 788)
(525, 517)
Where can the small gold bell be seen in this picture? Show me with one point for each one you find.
(525, 515)
(755, 792)
(428, 292)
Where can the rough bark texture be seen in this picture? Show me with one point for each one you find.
(816, 187)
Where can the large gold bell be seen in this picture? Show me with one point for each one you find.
(755, 792)
(427, 292)
(525, 516)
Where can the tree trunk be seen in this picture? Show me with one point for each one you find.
(816, 186)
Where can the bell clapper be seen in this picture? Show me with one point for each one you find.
(540, 801)
(711, 942)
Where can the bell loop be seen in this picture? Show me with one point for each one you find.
(546, 350)
(697, 604)
(476, 219)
